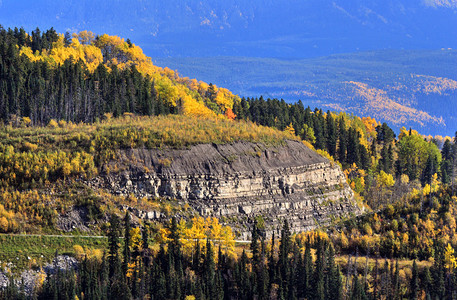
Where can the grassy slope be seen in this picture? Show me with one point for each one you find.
(175, 131)
(35, 251)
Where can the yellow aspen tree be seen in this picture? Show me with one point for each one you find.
(449, 258)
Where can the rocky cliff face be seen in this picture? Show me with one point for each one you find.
(236, 182)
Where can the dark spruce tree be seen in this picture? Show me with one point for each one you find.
(127, 241)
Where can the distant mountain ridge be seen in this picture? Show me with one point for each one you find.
(284, 28)
(404, 88)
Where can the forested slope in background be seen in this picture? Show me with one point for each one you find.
(415, 89)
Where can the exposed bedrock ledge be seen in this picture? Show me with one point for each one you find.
(238, 181)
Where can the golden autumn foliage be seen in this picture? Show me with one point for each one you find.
(135, 239)
(355, 177)
(18, 210)
(200, 229)
(405, 132)
(408, 228)
(4, 224)
(23, 168)
(40, 280)
(79, 252)
(370, 125)
(449, 258)
(386, 180)
(190, 96)
(383, 106)
(365, 126)
(290, 129)
(311, 236)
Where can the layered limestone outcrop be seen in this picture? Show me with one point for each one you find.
(239, 181)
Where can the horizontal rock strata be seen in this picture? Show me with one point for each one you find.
(236, 182)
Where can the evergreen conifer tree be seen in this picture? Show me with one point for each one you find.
(414, 284)
(127, 240)
(113, 241)
(308, 271)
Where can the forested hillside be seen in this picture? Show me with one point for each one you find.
(69, 105)
(79, 78)
(400, 87)
(286, 267)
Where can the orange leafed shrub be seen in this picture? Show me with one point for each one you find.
(229, 114)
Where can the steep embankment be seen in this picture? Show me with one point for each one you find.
(239, 181)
